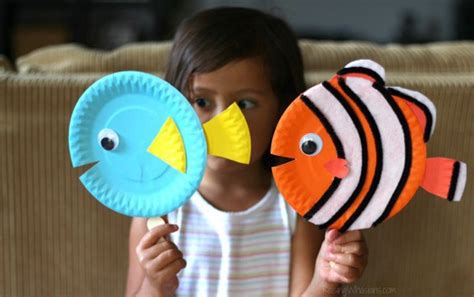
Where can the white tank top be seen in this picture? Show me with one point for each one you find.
(244, 253)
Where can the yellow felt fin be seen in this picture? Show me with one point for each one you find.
(169, 147)
(228, 135)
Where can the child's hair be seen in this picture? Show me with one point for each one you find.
(212, 38)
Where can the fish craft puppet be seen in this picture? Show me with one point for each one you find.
(355, 150)
(146, 143)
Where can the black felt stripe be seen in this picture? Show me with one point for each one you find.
(424, 108)
(363, 70)
(324, 198)
(339, 150)
(337, 142)
(454, 181)
(363, 141)
(378, 150)
(408, 153)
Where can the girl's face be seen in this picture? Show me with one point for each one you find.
(246, 83)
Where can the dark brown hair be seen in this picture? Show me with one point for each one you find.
(212, 38)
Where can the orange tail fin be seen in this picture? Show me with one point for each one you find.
(445, 178)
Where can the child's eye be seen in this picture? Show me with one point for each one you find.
(202, 102)
(246, 104)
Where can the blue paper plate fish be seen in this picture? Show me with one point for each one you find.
(147, 144)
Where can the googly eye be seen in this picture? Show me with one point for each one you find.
(108, 139)
(311, 144)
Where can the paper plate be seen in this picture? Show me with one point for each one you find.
(113, 125)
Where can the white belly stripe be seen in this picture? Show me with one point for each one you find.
(347, 132)
(393, 147)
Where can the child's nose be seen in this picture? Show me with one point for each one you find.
(222, 105)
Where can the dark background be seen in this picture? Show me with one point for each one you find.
(29, 24)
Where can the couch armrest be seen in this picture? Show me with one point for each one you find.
(5, 65)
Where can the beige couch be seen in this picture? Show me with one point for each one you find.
(55, 240)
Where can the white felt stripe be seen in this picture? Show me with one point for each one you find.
(461, 182)
(393, 149)
(423, 100)
(347, 133)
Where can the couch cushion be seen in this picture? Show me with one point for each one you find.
(317, 55)
(433, 57)
(74, 58)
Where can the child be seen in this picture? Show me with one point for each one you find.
(237, 235)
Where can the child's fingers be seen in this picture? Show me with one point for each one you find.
(335, 277)
(356, 247)
(331, 235)
(350, 260)
(155, 250)
(172, 268)
(166, 258)
(349, 236)
(330, 274)
(156, 221)
(347, 273)
(156, 233)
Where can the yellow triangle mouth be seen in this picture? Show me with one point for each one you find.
(168, 145)
(228, 135)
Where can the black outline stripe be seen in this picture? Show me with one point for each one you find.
(408, 153)
(454, 181)
(363, 140)
(378, 150)
(339, 150)
(424, 108)
(324, 198)
(362, 70)
(327, 126)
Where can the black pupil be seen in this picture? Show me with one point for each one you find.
(201, 102)
(107, 143)
(309, 147)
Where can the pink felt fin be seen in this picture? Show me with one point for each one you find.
(422, 107)
(420, 115)
(445, 178)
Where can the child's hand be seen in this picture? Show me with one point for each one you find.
(161, 259)
(342, 257)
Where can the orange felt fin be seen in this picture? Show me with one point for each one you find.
(445, 178)
(337, 167)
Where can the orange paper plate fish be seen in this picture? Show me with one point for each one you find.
(356, 150)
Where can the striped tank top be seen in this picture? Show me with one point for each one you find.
(244, 253)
